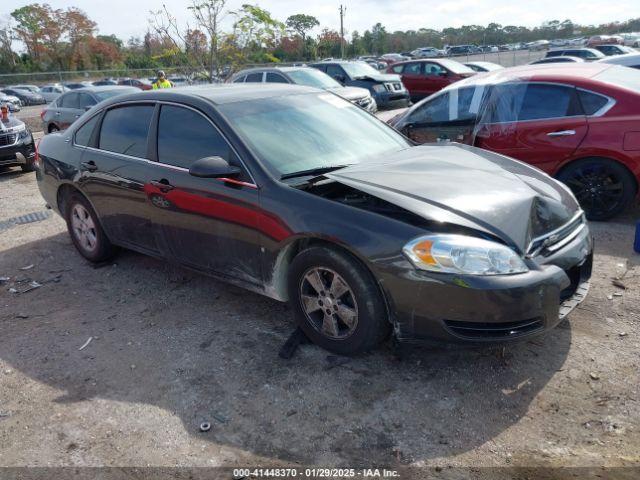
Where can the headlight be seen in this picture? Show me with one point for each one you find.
(463, 255)
(379, 88)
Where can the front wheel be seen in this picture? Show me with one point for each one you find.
(603, 187)
(336, 301)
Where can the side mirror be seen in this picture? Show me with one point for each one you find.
(213, 167)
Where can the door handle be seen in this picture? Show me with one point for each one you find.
(163, 185)
(90, 166)
(561, 133)
(57, 113)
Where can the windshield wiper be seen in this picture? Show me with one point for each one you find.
(313, 172)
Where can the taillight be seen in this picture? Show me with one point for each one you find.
(37, 159)
(42, 114)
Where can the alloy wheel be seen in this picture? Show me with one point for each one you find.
(328, 303)
(598, 189)
(84, 228)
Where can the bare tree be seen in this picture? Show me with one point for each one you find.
(208, 15)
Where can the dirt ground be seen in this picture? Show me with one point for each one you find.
(171, 349)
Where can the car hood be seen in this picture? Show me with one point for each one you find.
(381, 77)
(466, 186)
(10, 124)
(350, 93)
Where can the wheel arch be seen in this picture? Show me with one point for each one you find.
(65, 191)
(565, 165)
(276, 286)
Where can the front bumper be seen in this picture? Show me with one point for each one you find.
(20, 152)
(472, 309)
(390, 100)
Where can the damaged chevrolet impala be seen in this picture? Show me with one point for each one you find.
(299, 195)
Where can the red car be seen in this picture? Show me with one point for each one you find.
(577, 122)
(425, 77)
(134, 82)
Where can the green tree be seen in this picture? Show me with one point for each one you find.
(301, 24)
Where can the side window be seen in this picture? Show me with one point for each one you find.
(125, 130)
(457, 105)
(254, 77)
(433, 69)
(240, 79)
(335, 71)
(275, 78)
(70, 100)
(86, 101)
(591, 102)
(548, 101)
(412, 69)
(83, 135)
(185, 136)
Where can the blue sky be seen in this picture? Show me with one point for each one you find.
(126, 18)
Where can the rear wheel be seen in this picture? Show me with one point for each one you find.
(603, 187)
(86, 232)
(336, 301)
(53, 129)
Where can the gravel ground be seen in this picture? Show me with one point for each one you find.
(171, 349)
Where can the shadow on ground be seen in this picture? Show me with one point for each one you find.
(204, 350)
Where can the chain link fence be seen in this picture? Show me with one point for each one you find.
(506, 59)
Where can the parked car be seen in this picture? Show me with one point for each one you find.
(51, 92)
(483, 66)
(563, 59)
(428, 52)
(631, 60)
(538, 45)
(16, 144)
(30, 88)
(13, 103)
(77, 85)
(631, 40)
(107, 82)
(587, 54)
(457, 50)
(392, 58)
(301, 196)
(70, 106)
(604, 40)
(609, 50)
(425, 77)
(577, 122)
(309, 77)
(141, 83)
(179, 81)
(27, 98)
(387, 90)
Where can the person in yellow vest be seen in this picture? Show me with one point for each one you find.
(162, 81)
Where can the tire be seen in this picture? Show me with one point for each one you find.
(29, 167)
(85, 230)
(361, 305)
(53, 128)
(603, 187)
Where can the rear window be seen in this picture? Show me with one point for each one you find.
(83, 135)
(70, 100)
(125, 130)
(591, 102)
(520, 102)
(455, 67)
(622, 77)
(276, 78)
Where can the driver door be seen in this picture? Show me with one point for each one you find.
(207, 224)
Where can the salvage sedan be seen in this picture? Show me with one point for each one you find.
(299, 195)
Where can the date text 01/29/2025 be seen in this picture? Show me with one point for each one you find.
(286, 473)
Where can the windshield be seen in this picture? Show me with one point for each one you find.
(103, 95)
(359, 69)
(313, 78)
(311, 131)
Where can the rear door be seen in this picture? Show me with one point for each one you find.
(412, 78)
(67, 108)
(434, 78)
(207, 224)
(115, 168)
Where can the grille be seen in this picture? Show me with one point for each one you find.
(493, 331)
(8, 139)
(553, 241)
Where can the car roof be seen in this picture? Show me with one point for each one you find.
(625, 59)
(100, 88)
(221, 94)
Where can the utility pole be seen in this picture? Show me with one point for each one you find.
(343, 11)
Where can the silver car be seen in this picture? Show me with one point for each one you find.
(51, 92)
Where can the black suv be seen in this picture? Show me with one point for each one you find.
(386, 89)
(16, 145)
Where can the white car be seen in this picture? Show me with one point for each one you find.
(427, 52)
(631, 39)
(627, 60)
(51, 92)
